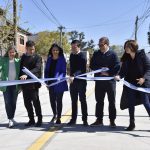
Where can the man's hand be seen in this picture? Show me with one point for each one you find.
(71, 79)
(23, 77)
(140, 81)
(104, 73)
(117, 78)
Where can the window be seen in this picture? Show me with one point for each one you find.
(21, 40)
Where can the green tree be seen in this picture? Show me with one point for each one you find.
(45, 39)
(90, 46)
(118, 49)
(6, 24)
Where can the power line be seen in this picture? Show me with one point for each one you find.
(103, 24)
(37, 5)
(51, 13)
(107, 22)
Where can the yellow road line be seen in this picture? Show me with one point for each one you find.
(40, 142)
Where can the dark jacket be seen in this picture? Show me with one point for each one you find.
(109, 60)
(34, 65)
(77, 64)
(60, 71)
(142, 65)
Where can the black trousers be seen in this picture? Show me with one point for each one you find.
(31, 98)
(101, 88)
(78, 88)
(56, 102)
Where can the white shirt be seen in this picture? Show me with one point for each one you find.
(12, 70)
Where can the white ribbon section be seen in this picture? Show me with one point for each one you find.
(95, 78)
(25, 70)
(93, 72)
(16, 82)
(131, 86)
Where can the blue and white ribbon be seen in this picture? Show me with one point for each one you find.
(131, 86)
(42, 81)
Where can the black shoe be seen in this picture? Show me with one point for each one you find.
(112, 124)
(71, 122)
(97, 123)
(58, 122)
(39, 123)
(85, 123)
(131, 127)
(53, 119)
(30, 123)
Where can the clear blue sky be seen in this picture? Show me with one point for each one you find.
(112, 18)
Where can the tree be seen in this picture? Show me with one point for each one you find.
(90, 46)
(7, 25)
(118, 49)
(45, 39)
(75, 35)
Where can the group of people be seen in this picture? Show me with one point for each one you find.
(134, 67)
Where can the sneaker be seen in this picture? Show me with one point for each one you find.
(97, 123)
(10, 124)
(71, 122)
(58, 122)
(53, 119)
(30, 123)
(112, 124)
(85, 123)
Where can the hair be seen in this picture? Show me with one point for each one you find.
(30, 43)
(59, 48)
(76, 42)
(105, 39)
(10, 48)
(132, 44)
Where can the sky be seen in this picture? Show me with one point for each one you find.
(114, 19)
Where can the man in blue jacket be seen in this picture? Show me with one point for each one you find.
(105, 57)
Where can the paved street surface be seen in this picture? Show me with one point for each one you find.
(75, 137)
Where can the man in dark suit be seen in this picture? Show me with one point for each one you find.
(32, 62)
(105, 57)
(78, 63)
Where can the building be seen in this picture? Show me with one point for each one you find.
(22, 35)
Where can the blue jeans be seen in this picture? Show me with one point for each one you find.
(10, 98)
(132, 98)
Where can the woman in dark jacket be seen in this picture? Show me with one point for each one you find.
(135, 70)
(56, 68)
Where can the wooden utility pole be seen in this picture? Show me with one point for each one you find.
(136, 27)
(15, 21)
(61, 28)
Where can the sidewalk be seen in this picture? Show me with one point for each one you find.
(76, 137)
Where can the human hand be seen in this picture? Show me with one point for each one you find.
(140, 81)
(23, 77)
(117, 78)
(71, 79)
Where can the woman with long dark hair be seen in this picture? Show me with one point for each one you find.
(56, 68)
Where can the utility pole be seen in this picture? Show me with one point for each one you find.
(136, 27)
(61, 28)
(15, 21)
